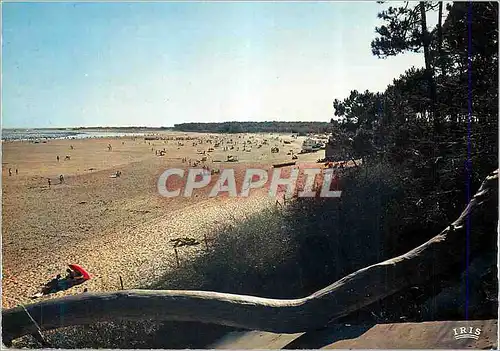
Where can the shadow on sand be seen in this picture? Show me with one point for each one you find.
(326, 336)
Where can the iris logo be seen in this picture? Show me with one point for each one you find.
(466, 333)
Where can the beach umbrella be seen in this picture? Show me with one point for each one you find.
(80, 269)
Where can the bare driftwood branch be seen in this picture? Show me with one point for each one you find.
(350, 293)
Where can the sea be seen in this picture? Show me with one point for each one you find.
(45, 134)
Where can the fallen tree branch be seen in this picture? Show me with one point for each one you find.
(350, 293)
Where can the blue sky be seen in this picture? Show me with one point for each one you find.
(157, 64)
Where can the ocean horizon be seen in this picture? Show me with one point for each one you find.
(34, 134)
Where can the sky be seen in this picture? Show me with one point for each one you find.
(162, 63)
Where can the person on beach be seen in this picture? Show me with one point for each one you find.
(63, 284)
(58, 158)
(73, 274)
(61, 179)
(48, 180)
(53, 285)
(17, 171)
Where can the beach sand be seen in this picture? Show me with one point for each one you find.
(122, 227)
(111, 226)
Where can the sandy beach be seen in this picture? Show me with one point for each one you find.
(121, 227)
(111, 226)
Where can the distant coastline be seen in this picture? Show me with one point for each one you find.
(68, 129)
(43, 134)
(294, 127)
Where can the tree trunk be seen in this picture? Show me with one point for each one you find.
(440, 59)
(440, 40)
(428, 68)
(348, 294)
